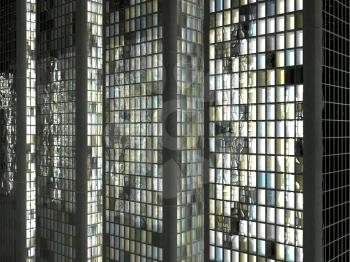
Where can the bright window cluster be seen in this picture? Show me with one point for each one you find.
(256, 130)
(7, 133)
(31, 128)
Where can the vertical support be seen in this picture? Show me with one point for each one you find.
(20, 175)
(313, 130)
(81, 129)
(206, 129)
(104, 28)
(170, 168)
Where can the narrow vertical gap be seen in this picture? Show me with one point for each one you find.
(312, 173)
(169, 122)
(81, 130)
(104, 61)
(20, 175)
(206, 166)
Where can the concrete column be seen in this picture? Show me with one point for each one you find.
(313, 130)
(170, 171)
(206, 129)
(20, 176)
(81, 129)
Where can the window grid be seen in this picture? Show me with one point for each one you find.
(94, 130)
(56, 88)
(31, 129)
(133, 129)
(256, 130)
(336, 113)
(190, 131)
(8, 101)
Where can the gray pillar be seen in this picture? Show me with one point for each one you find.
(313, 130)
(170, 169)
(104, 176)
(20, 175)
(206, 129)
(81, 129)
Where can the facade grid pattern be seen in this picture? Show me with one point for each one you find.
(133, 130)
(336, 126)
(189, 79)
(94, 130)
(256, 130)
(56, 112)
(30, 179)
(7, 128)
(86, 129)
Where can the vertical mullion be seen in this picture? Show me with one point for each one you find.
(81, 130)
(206, 165)
(21, 92)
(169, 119)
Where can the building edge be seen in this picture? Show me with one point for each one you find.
(81, 129)
(169, 121)
(313, 148)
(104, 184)
(20, 175)
(206, 166)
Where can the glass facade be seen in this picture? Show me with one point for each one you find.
(7, 129)
(113, 130)
(56, 57)
(94, 129)
(256, 130)
(336, 126)
(133, 127)
(134, 130)
(31, 173)
(57, 114)
(190, 130)
(8, 99)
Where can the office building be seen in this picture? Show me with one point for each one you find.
(69, 130)
(154, 131)
(174, 130)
